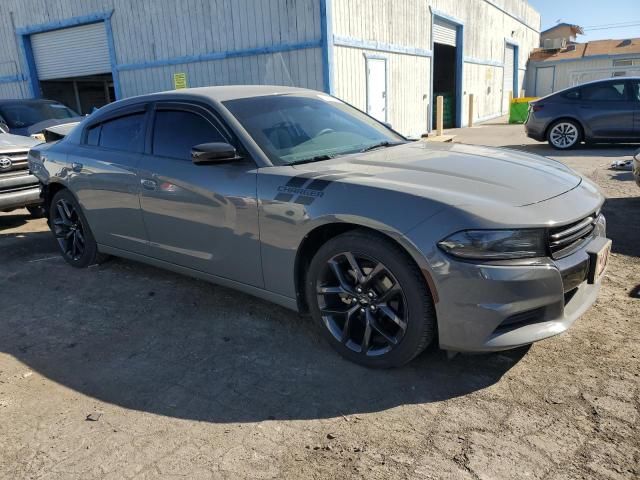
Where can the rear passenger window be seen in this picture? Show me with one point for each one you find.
(605, 92)
(175, 132)
(124, 133)
(93, 135)
(572, 95)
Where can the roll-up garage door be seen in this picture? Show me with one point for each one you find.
(444, 32)
(71, 52)
(508, 76)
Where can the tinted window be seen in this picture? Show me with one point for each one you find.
(302, 127)
(175, 132)
(605, 92)
(93, 135)
(572, 94)
(124, 133)
(635, 90)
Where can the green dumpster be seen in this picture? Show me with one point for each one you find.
(519, 109)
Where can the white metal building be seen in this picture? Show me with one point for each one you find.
(551, 70)
(387, 57)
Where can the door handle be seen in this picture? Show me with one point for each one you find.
(585, 106)
(148, 184)
(76, 167)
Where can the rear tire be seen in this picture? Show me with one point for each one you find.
(564, 134)
(371, 300)
(71, 231)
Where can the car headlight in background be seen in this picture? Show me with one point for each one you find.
(496, 244)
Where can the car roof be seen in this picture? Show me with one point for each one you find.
(610, 79)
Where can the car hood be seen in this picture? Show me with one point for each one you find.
(9, 141)
(437, 170)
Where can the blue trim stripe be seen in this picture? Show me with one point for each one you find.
(32, 73)
(380, 47)
(327, 42)
(488, 63)
(66, 23)
(113, 59)
(12, 78)
(205, 57)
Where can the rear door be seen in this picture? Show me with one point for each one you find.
(203, 217)
(607, 110)
(105, 163)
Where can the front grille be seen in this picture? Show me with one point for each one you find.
(18, 162)
(567, 239)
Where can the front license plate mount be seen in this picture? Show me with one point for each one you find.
(598, 260)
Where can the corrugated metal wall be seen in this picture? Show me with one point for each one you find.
(569, 73)
(486, 27)
(388, 23)
(155, 38)
(148, 32)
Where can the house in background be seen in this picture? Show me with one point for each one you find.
(566, 63)
(559, 36)
(387, 57)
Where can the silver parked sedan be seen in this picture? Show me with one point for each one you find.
(296, 197)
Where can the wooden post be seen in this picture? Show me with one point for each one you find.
(470, 110)
(510, 97)
(439, 114)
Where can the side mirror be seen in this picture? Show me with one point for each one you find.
(217, 152)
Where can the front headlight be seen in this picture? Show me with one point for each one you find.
(496, 244)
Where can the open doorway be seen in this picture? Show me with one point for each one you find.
(444, 82)
(83, 94)
(447, 41)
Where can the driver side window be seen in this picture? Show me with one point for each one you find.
(175, 132)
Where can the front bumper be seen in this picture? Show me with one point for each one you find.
(498, 307)
(18, 191)
(636, 168)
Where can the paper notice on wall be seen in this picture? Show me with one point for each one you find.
(180, 80)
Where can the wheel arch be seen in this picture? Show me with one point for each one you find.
(321, 234)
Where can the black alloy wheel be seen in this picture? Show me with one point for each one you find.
(362, 304)
(68, 230)
(71, 230)
(371, 300)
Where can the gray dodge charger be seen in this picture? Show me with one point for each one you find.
(298, 198)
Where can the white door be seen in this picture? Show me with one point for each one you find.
(377, 88)
(544, 81)
(71, 52)
(507, 86)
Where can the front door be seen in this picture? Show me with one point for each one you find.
(203, 217)
(635, 97)
(377, 88)
(607, 109)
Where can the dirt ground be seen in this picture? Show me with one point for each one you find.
(127, 371)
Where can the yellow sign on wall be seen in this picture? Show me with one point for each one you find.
(179, 80)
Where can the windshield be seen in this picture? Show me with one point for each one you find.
(295, 128)
(20, 115)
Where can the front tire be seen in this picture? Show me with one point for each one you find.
(564, 134)
(71, 231)
(371, 300)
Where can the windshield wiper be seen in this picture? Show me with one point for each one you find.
(317, 158)
(383, 144)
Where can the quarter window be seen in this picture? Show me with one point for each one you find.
(175, 132)
(605, 92)
(123, 133)
(93, 135)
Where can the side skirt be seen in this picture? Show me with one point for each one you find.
(281, 300)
